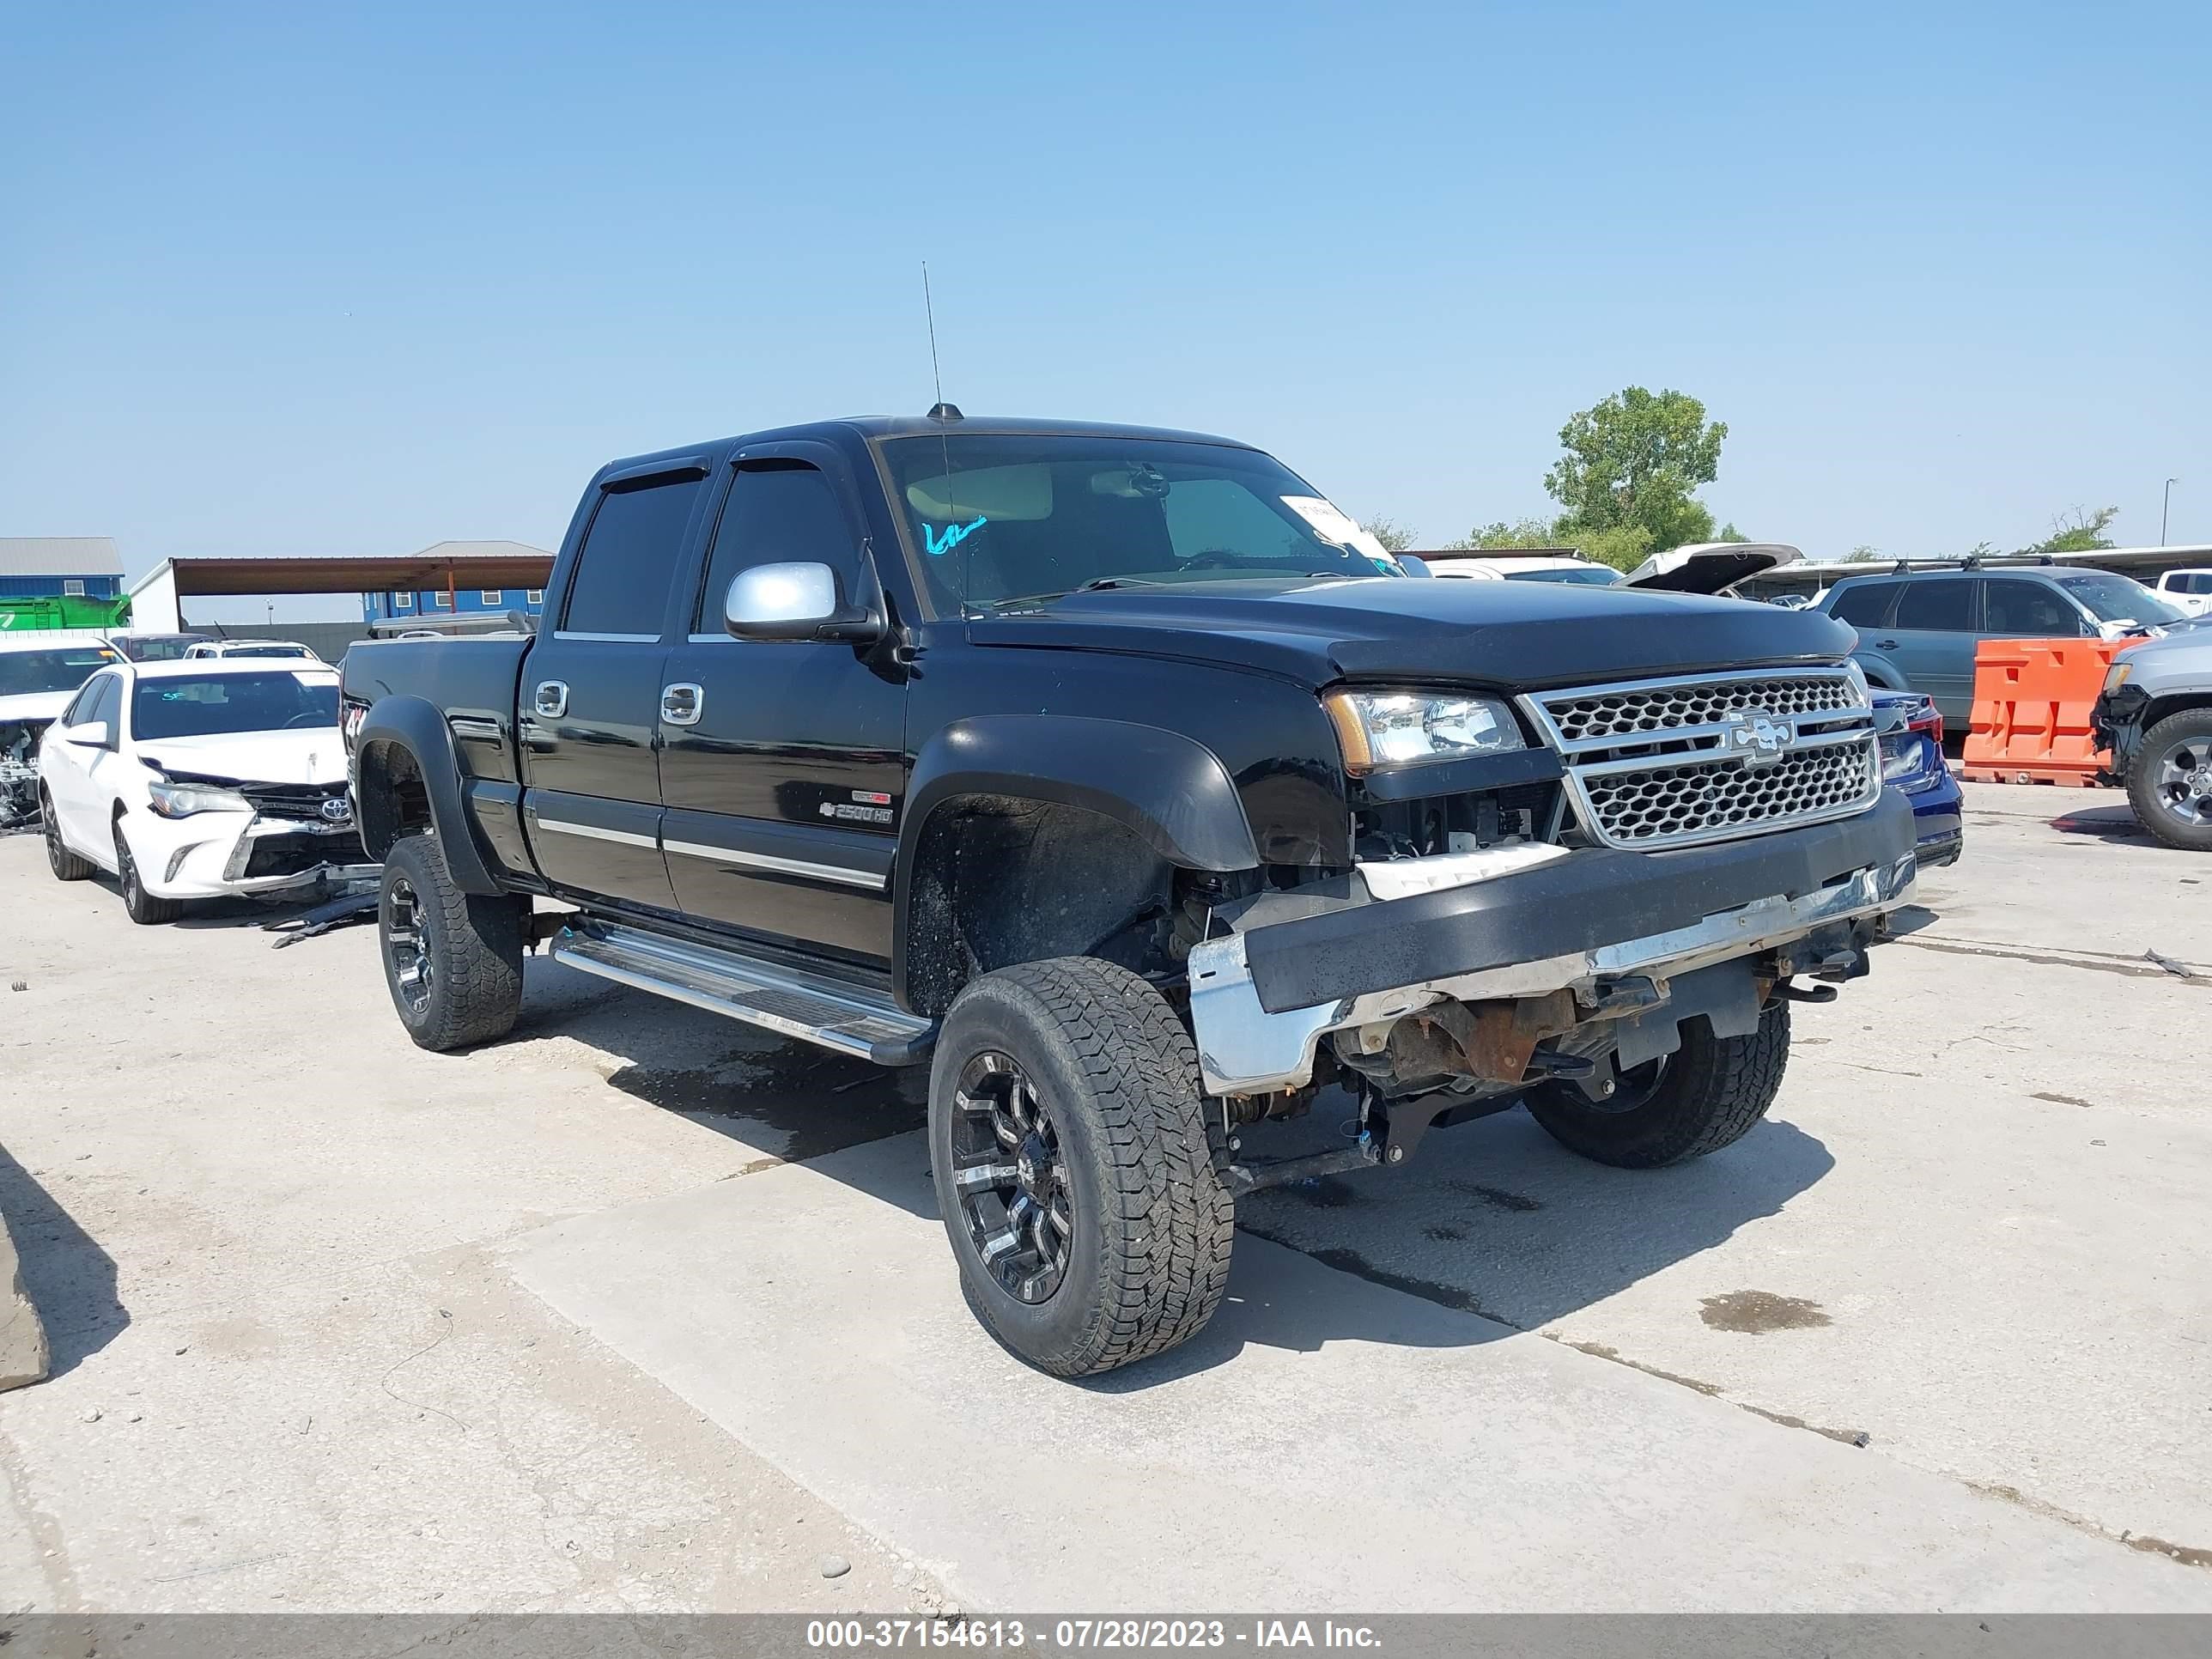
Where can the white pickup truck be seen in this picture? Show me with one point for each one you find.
(2190, 590)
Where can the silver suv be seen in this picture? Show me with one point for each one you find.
(1918, 628)
(2156, 716)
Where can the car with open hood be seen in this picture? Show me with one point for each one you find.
(1118, 775)
(197, 778)
(40, 670)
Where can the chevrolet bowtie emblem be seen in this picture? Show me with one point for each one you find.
(1755, 737)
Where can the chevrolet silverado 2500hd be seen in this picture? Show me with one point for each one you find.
(1122, 777)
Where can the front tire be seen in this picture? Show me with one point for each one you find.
(141, 906)
(2170, 784)
(65, 864)
(1704, 1096)
(1074, 1167)
(452, 960)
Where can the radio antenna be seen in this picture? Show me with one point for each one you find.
(929, 311)
(944, 414)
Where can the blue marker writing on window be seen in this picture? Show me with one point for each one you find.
(954, 535)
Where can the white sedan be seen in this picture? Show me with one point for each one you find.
(198, 779)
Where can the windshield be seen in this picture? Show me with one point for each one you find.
(159, 647)
(219, 703)
(1000, 518)
(1595, 575)
(265, 651)
(2119, 599)
(65, 668)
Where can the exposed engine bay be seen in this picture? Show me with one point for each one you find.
(19, 772)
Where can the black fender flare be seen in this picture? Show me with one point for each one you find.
(418, 726)
(1172, 792)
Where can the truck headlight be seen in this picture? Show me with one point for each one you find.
(181, 800)
(1382, 729)
(1856, 675)
(2117, 675)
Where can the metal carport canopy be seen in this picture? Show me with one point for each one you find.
(408, 572)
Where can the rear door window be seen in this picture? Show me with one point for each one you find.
(2026, 609)
(1863, 605)
(1936, 607)
(627, 561)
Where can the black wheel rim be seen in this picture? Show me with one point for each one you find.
(405, 947)
(55, 851)
(1011, 1178)
(126, 871)
(2183, 781)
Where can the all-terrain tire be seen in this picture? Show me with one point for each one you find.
(1112, 1067)
(2151, 811)
(65, 864)
(141, 906)
(1708, 1094)
(466, 946)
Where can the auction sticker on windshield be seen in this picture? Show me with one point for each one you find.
(1333, 523)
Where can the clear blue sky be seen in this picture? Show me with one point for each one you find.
(301, 279)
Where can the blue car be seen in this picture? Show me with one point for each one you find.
(1912, 759)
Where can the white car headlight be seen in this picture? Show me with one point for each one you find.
(1856, 675)
(1383, 729)
(181, 800)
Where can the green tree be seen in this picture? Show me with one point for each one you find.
(1391, 533)
(2078, 532)
(1622, 546)
(1862, 554)
(1635, 459)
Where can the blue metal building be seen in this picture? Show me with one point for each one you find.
(39, 567)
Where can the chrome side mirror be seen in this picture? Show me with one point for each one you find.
(794, 602)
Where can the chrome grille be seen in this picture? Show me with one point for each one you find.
(1696, 758)
(1626, 712)
(1674, 804)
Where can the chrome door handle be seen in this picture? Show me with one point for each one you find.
(1885, 645)
(680, 704)
(551, 699)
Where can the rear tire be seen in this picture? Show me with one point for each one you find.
(65, 864)
(1074, 1168)
(2177, 748)
(141, 906)
(452, 960)
(1704, 1096)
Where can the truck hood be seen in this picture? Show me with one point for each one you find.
(1709, 567)
(1515, 635)
(313, 755)
(35, 705)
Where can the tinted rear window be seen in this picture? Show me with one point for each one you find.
(1936, 607)
(1863, 603)
(628, 558)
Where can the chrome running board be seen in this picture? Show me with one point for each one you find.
(790, 1001)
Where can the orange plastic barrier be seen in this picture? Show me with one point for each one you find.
(2031, 703)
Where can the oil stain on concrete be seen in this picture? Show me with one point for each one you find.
(1755, 1313)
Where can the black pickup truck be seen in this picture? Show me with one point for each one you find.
(1121, 776)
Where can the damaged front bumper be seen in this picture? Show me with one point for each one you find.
(1261, 998)
(218, 854)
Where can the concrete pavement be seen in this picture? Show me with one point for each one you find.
(339, 1324)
